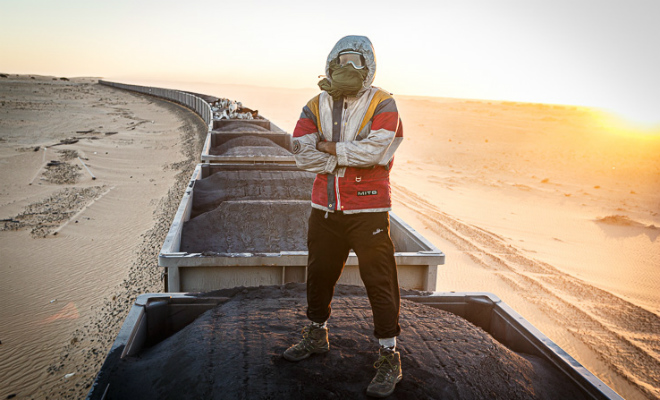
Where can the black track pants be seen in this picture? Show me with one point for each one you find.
(329, 240)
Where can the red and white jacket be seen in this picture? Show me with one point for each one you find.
(367, 129)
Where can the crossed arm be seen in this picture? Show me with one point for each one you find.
(314, 154)
(327, 147)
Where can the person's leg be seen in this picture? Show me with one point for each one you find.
(369, 237)
(328, 251)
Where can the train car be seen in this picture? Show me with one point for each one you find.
(156, 318)
(261, 260)
(256, 141)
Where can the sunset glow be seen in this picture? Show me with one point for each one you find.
(640, 119)
(583, 53)
(626, 120)
(629, 122)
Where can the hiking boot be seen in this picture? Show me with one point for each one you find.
(315, 340)
(388, 375)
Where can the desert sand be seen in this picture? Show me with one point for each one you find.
(543, 205)
(76, 251)
(552, 211)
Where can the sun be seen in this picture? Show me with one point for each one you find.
(629, 120)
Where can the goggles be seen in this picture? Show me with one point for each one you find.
(351, 57)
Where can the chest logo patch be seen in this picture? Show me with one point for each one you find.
(367, 192)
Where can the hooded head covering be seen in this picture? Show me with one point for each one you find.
(361, 44)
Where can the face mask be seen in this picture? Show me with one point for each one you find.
(346, 80)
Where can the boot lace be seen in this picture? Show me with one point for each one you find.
(306, 342)
(385, 368)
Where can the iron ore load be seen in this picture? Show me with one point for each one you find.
(235, 263)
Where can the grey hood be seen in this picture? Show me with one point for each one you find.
(360, 44)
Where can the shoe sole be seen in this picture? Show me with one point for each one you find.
(381, 395)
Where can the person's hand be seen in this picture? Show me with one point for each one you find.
(327, 147)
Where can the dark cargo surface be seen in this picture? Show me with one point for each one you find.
(249, 146)
(250, 185)
(241, 127)
(249, 211)
(253, 151)
(252, 226)
(234, 351)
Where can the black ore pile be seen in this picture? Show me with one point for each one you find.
(242, 126)
(234, 352)
(249, 146)
(253, 226)
(249, 211)
(250, 185)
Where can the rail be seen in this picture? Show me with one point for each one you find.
(195, 103)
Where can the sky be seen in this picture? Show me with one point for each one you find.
(601, 53)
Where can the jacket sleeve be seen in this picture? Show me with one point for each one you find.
(305, 137)
(379, 145)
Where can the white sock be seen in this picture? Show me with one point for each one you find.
(317, 325)
(388, 342)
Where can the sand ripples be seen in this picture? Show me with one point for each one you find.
(620, 333)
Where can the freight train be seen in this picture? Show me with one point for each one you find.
(241, 223)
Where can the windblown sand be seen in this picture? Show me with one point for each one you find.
(235, 351)
(76, 251)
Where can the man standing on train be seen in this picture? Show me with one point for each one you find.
(347, 135)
